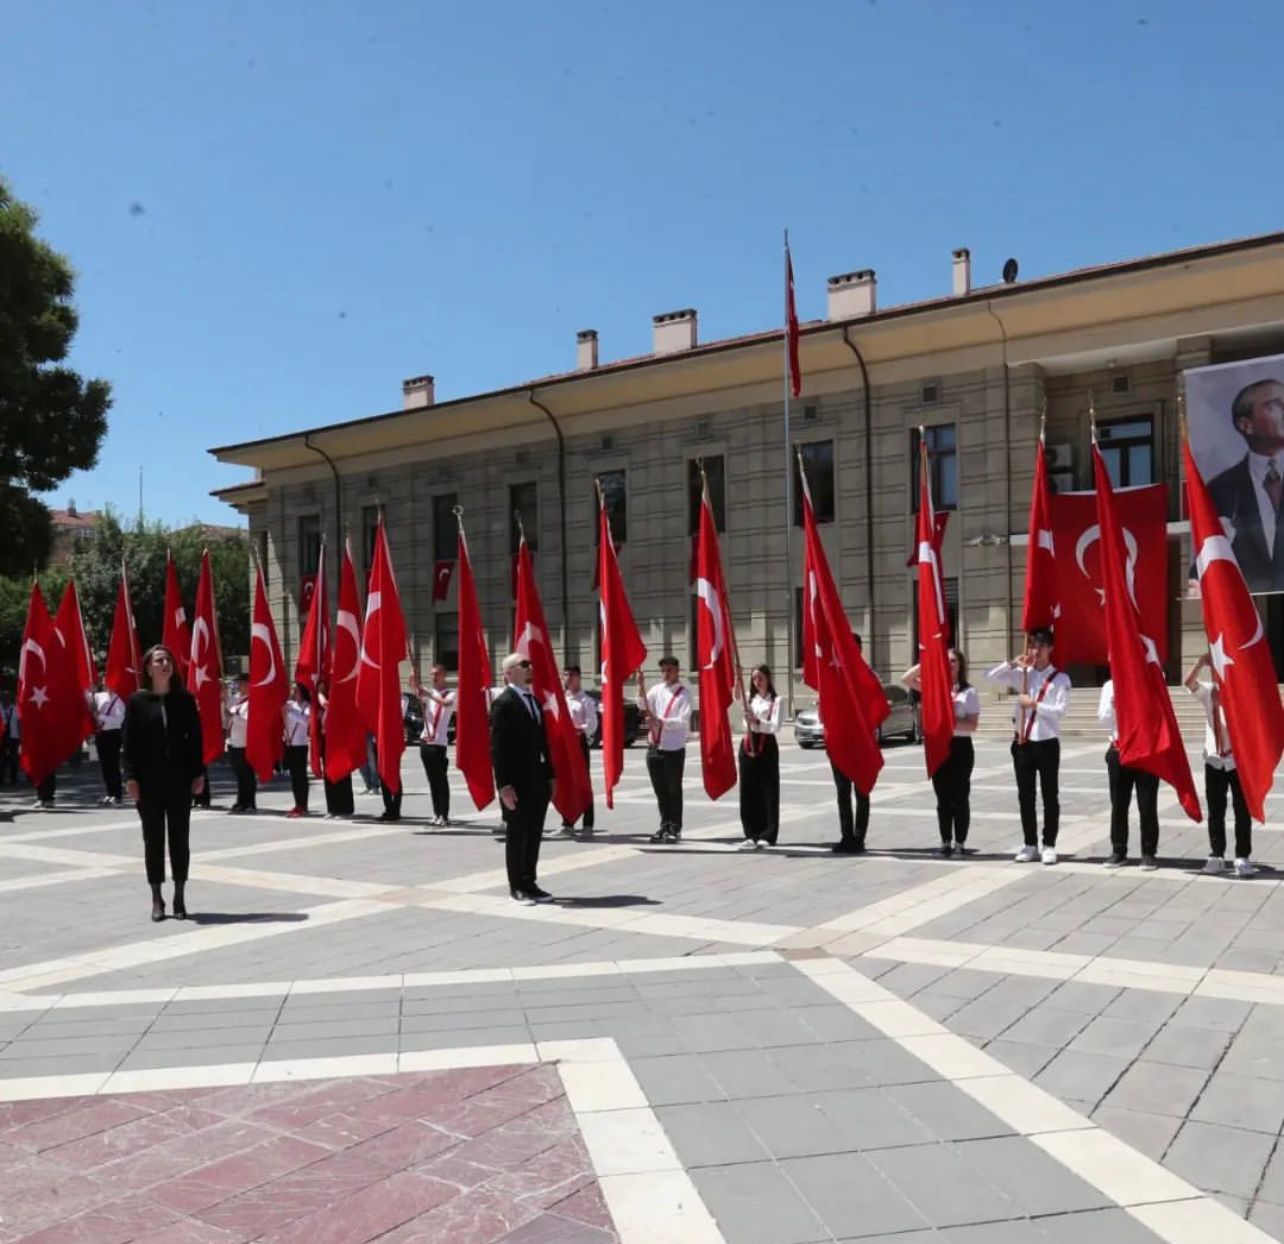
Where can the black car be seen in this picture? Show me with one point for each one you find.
(632, 721)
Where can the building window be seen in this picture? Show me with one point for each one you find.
(369, 530)
(716, 475)
(951, 610)
(818, 461)
(445, 530)
(523, 501)
(1128, 447)
(446, 641)
(309, 543)
(614, 490)
(942, 465)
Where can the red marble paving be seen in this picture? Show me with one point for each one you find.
(469, 1157)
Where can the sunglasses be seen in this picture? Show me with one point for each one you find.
(524, 664)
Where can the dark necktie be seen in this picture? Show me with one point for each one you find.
(1274, 485)
(532, 707)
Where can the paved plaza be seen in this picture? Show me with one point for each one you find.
(359, 1037)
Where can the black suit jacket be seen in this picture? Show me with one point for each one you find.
(1235, 497)
(518, 746)
(159, 748)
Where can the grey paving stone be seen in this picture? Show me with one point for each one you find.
(199, 1057)
(1272, 1185)
(755, 1203)
(676, 1079)
(1124, 1038)
(946, 1112)
(985, 1019)
(1147, 1005)
(1268, 1217)
(812, 1068)
(1150, 1134)
(965, 983)
(461, 1038)
(195, 1038)
(211, 1022)
(101, 1047)
(385, 1026)
(1220, 1159)
(1082, 996)
(711, 1134)
(51, 1030)
(833, 1122)
(907, 979)
(446, 1021)
(1103, 1226)
(20, 1068)
(938, 1006)
(1223, 1014)
(1047, 1025)
(1032, 1180)
(850, 1195)
(1184, 1046)
(1081, 1076)
(1025, 1058)
(746, 1073)
(943, 1186)
(709, 1033)
(331, 1047)
(1239, 1101)
(1158, 1088)
(1017, 1231)
(836, 1023)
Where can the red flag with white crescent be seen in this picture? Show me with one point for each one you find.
(1041, 609)
(264, 731)
(472, 708)
(383, 648)
(123, 672)
(205, 669)
(312, 669)
(933, 631)
(175, 634)
(622, 653)
(716, 653)
(345, 732)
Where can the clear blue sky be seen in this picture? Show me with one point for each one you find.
(280, 210)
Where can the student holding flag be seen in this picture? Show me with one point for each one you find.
(667, 710)
(760, 765)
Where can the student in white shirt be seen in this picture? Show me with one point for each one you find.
(109, 717)
(1043, 692)
(238, 720)
(439, 710)
(583, 710)
(952, 781)
(1123, 780)
(297, 713)
(760, 764)
(1221, 775)
(667, 710)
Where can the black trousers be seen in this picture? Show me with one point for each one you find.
(434, 757)
(11, 748)
(953, 785)
(666, 770)
(391, 802)
(852, 829)
(760, 788)
(45, 790)
(166, 806)
(203, 799)
(1042, 759)
(1123, 781)
(524, 831)
(247, 784)
(296, 760)
(338, 797)
(1216, 784)
(108, 743)
(588, 819)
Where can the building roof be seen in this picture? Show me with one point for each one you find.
(72, 519)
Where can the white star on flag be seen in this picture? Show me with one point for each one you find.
(38, 697)
(1217, 653)
(1152, 652)
(550, 704)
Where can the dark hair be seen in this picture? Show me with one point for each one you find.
(307, 695)
(962, 660)
(572, 669)
(1242, 406)
(669, 660)
(437, 665)
(1042, 635)
(150, 655)
(765, 671)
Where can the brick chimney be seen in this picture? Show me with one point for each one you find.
(962, 272)
(417, 392)
(586, 350)
(852, 294)
(674, 331)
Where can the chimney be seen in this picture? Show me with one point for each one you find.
(962, 272)
(586, 350)
(416, 393)
(674, 331)
(852, 294)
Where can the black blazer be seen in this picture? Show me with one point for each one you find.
(161, 747)
(1234, 496)
(518, 746)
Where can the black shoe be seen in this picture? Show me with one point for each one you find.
(540, 896)
(848, 846)
(519, 896)
(1116, 860)
(946, 850)
(180, 909)
(660, 835)
(388, 817)
(158, 910)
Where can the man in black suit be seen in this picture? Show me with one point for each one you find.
(1248, 495)
(523, 775)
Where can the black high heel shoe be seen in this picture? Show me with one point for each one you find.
(158, 910)
(180, 905)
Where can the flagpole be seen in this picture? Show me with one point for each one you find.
(735, 647)
(789, 515)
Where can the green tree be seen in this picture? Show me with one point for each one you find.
(52, 420)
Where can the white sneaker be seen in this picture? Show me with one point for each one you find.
(1026, 855)
(1049, 855)
(748, 845)
(1245, 868)
(1214, 866)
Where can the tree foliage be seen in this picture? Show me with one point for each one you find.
(52, 421)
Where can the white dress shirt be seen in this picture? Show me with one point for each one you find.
(1217, 753)
(767, 711)
(1106, 711)
(296, 723)
(238, 714)
(439, 709)
(1049, 687)
(966, 704)
(670, 708)
(583, 710)
(1258, 465)
(109, 710)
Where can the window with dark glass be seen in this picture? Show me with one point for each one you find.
(523, 502)
(942, 466)
(1128, 448)
(818, 461)
(715, 473)
(369, 530)
(446, 641)
(614, 489)
(309, 543)
(445, 530)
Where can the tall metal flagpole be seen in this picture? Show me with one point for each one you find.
(789, 509)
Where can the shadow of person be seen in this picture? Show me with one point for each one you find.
(609, 900)
(246, 917)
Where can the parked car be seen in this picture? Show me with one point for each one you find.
(902, 721)
(632, 720)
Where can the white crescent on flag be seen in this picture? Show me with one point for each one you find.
(260, 632)
(373, 602)
(926, 553)
(202, 629)
(1045, 541)
(31, 646)
(707, 593)
(531, 634)
(1218, 549)
(1088, 537)
(345, 621)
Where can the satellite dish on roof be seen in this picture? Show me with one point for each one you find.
(1010, 272)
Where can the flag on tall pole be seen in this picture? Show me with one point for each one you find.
(205, 669)
(264, 732)
(383, 648)
(1243, 669)
(312, 669)
(791, 324)
(1149, 738)
(622, 650)
(51, 703)
(792, 386)
(124, 661)
(174, 633)
(472, 711)
(574, 794)
(69, 626)
(716, 655)
(345, 732)
(933, 628)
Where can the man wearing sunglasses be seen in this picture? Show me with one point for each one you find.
(523, 775)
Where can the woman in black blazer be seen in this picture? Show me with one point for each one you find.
(163, 768)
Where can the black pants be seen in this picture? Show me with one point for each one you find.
(666, 770)
(296, 760)
(760, 788)
(853, 830)
(108, 743)
(166, 805)
(1123, 781)
(338, 797)
(953, 785)
(11, 748)
(434, 757)
(588, 818)
(524, 831)
(391, 802)
(203, 799)
(1044, 760)
(45, 790)
(247, 784)
(1216, 783)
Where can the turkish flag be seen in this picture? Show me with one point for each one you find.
(1079, 558)
(933, 632)
(1146, 722)
(791, 328)
(716, 653)
(441, 573)
(1041, 607)
(472, 709)
(622, 653)
(51, 706)
(940, 521)
(312, 668)
(69, 627)
(383, 648)
(574, 789)
(174, 633)
(124, 660)
(345, 732)
(1243, 670)
(265, 728)
(205, 670)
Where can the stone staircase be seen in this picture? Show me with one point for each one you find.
(1081, 717)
